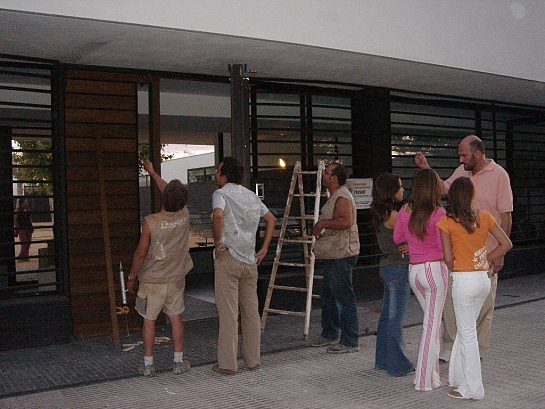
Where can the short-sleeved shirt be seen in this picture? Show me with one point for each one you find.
(493, 192)
(242, 210)
(420, 251)
(469, 249)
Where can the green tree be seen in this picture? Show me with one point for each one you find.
(144, 154)
(33, 161)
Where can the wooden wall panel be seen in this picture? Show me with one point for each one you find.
(80, 263)
(100, 101)
(88, 144)
(92, 202)
(100, 115)
(82, 130)
(94, 87)
(91, 217)
(100, 128)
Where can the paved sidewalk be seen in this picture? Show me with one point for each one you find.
(310, 378)
(296, 377)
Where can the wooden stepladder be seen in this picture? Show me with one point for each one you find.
(305, 239)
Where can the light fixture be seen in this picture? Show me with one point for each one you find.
(281, 163)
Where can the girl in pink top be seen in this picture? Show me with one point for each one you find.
(427, 272)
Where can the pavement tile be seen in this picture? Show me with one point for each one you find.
(94, 373)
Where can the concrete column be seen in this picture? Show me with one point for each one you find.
(240, 119)
(372, 139)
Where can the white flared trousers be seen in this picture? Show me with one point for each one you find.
(429, 284)
(469, 291)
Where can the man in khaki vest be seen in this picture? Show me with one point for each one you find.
(337, 244)
(161, 261)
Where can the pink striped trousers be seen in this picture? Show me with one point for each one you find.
(429, 282)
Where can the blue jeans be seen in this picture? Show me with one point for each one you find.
(339, 306)
(389, 354)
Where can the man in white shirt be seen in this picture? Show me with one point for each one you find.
(236, 216)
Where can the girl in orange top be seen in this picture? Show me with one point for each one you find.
(464, 232)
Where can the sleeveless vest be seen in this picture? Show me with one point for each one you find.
(336, 244)
(168, 256)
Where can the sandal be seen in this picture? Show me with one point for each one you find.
(455, 394)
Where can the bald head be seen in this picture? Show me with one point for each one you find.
(473, 143)
(471, 154)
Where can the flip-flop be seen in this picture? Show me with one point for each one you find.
(455, 394)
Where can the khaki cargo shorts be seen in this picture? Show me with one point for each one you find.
(153, 298)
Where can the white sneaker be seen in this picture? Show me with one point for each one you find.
(444, 355)
(181, 367)
(148, 371)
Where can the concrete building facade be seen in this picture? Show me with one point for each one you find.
(368, 83)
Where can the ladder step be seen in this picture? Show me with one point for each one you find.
(303, 194)
(289, 288)
(284, 312)
(300, 240)
(308, 172)
(304, 217)
(286, 264)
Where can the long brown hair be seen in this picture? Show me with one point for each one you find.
(424, 199)
(460, 196)
(385, 188)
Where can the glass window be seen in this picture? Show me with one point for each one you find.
(29, 263)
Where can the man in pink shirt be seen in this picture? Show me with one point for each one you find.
(493, 194)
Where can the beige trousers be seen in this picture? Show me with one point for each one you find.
(484, 321)
(236, 290)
